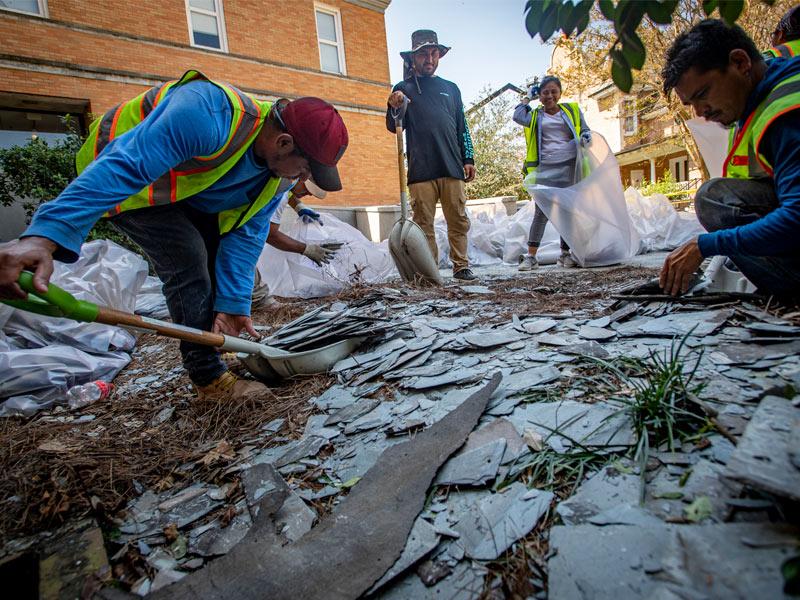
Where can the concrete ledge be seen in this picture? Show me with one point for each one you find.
(376, 222)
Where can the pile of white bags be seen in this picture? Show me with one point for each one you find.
(42, 357)
(358, 261)
(658, 224)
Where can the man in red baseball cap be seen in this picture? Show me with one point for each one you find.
(191, 170)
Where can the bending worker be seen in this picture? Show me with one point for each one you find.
(753, 212)
(552, 134)
(190, 170)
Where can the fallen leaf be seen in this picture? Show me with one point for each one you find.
(698, 510)
(223, 450)
(534, 439)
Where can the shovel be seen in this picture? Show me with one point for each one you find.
(407, 242)
(265, 362)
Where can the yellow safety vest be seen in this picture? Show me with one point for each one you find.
(745, 160)
(573, 111)
(199, 172)
(785, 50)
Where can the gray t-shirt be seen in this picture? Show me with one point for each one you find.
(558, 145)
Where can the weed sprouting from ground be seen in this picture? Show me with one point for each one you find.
(661, 406)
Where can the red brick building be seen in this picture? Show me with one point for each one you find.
(82, 57)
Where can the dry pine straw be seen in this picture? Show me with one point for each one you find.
(52, 471)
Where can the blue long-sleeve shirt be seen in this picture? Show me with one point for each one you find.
(191, 120)
(778, 232)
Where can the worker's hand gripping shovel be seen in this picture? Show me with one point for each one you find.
(407, 242)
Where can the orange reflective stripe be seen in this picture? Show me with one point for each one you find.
(105, 131)
(735, 145)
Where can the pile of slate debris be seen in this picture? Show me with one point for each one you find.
(435, 481)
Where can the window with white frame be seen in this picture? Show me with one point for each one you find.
(206, 24)
(630, 120)
(329, 37)
(31, 7)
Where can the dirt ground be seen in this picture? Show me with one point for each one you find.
(61, 466)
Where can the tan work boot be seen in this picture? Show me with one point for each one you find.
(229, 387)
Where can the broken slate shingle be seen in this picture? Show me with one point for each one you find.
(473, 467)
(493, 522)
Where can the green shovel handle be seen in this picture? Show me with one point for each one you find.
(55, 302)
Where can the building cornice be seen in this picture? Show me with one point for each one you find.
(376, 5)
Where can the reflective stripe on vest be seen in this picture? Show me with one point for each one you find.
(197, 173)
(785, 50)
(571, 109)
(744, 160)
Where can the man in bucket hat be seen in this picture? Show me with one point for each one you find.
(440, 157)
(191, 170)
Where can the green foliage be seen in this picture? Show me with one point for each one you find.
(545, 17)
(39, 171)
(665, 185)
(499, 149)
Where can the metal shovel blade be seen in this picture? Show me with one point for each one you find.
(412, 255)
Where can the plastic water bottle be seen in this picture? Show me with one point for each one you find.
(82, 395)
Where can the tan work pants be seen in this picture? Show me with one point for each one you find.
(450, 191)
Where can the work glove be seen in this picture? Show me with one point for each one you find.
(321, 253)
(586, 138)
(307, 214)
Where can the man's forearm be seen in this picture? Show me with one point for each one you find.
(281, 241)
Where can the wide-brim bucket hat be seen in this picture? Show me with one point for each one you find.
(421, 39)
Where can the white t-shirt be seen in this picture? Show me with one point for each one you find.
(276, 216)
(558, 145)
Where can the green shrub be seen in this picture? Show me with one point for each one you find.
(39, 171)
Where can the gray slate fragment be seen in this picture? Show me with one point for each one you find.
(351, 549)
(294, 519)
(308, 446)
(476, 289)
(264, 488)
(762, 457)
(590, 348)
(492, 338)
(700, 323)
(449, 378)
(561, 423)
(464, 583)
(588, 332)
(353, 411)
(495, 430)
(530, 378)
(536, 326)
(421, 541)
(474, 466)
(218, 541)
(494, 522)
(605, 489)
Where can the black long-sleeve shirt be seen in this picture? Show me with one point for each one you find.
(439, 144)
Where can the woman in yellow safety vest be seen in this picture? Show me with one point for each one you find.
(552, 134)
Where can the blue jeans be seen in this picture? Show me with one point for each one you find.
(182, 244)
(724, 203)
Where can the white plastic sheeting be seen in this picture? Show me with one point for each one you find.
(658, 224)
(712, 141)
(42, 357)
(358, 261)
(591, 215)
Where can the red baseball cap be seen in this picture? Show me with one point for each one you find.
(320, 134)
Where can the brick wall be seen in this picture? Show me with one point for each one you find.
(110, 51)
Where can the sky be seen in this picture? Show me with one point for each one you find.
(489, 42)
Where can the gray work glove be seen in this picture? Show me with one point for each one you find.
(319, 254)
(586, 138)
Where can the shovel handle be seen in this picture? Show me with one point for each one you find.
(399, 114)
(57, 302)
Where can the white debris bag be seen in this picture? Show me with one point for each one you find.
(515, 234)
(484, 238)
(658, 224)
(42, 357)
(296, 276)
(591, 215)
(712, 141)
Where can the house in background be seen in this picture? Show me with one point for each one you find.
(82, 57)
(640, 134)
